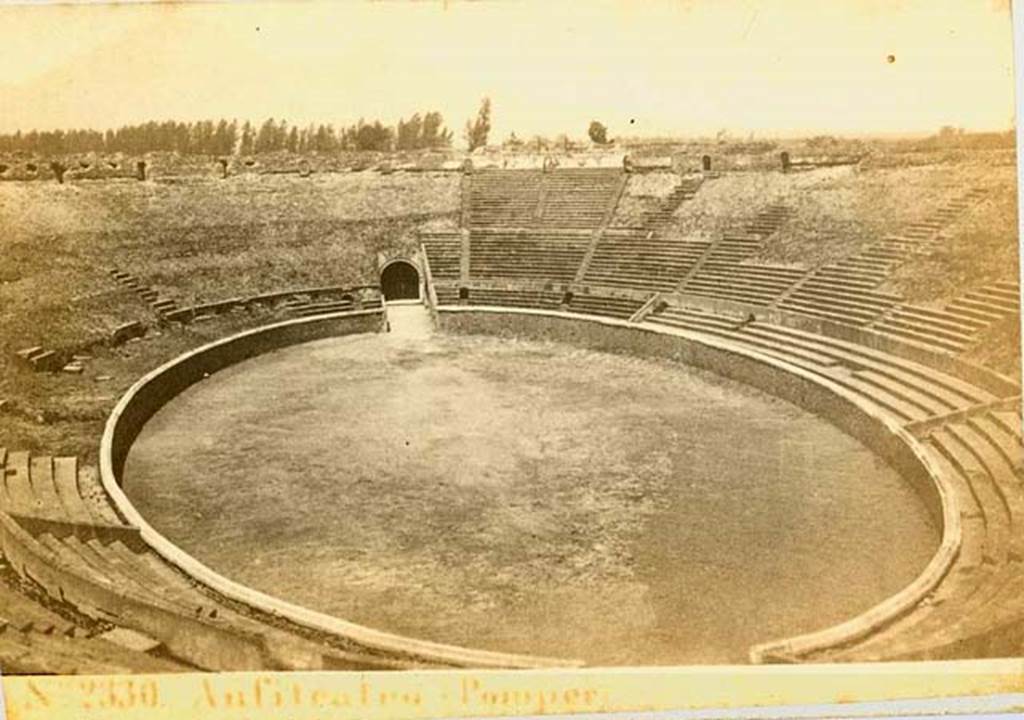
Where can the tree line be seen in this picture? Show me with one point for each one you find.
(226, 137)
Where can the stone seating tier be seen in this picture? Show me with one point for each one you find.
(607, 306)
(540, 257)
(559, 198)
(523, 298)
(642, 263)
(445, 255)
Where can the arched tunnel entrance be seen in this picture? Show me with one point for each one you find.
(400, 280)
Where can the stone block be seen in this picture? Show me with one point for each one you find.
(28, 353)
(131, 639)
(127, 331)
(46, 361)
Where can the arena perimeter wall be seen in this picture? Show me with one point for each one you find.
(156, 389)
(882, 435)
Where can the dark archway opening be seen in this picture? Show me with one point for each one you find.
(400, 280)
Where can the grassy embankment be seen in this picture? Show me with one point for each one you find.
(841, 210)
(197, 240)
(837, 211)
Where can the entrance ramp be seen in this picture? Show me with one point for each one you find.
(409, 321)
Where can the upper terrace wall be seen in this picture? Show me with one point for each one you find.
(67, 168)
(87, 166)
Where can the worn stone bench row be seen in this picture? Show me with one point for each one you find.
(559, 198)
(343, 297)
(306, 301)
(646, 264)
(566, 300)
(977, 611)
(869, 267)
(44, 493)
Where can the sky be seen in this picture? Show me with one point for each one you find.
(654, 68)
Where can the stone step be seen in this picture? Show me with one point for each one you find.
(1004, 441)
(43, 489)
(925, 330)
(65, 480)
(740, 274)
(878, 359)
(714, 287)
(951, 396)
(980, 307)
(924, 402)
(18, 497)
(973, 432)
(1009, 421)
(90, 489)
(842, 278)
(922, 337)
(966, 325)
(82, 560)
(774, 348)
(838, 290)
(1005, 301)
(825, 313)
(681, 317)
(983, 490)
(985, 318)
(832, 299)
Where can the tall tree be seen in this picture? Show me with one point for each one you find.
(373, 137)
(265, 137)
(246, 145)
(434, 133)
(477, 130)
(408, 133)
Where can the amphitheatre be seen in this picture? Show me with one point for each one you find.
(714, 405)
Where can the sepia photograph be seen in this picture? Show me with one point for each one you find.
(508, 334)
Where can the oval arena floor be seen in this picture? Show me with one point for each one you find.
(527, 497)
